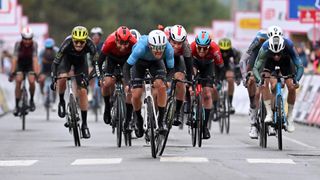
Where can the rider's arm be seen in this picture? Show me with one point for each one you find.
(15, 57)
(94, 57)
(57, 60)
(259, 62)
(188, 60)
(169, 54)
(296, 60)
(138, 50)
(36, 67)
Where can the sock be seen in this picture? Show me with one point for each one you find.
(161, 113)
(252, 103)
(178, 106)
(84, 117)
(129, 112)
(230, 99)
(61, 96)
(215, 105)
(17, 102)
(206, 116)
(106, 102)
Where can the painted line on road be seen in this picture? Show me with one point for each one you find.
(184, 159)
(18, 162)
(271, 161)
(97, 161)
(299, 142)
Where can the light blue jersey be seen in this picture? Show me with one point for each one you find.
(141, 50)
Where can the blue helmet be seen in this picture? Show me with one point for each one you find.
(49, 43)
(262, 35)
(203, 38)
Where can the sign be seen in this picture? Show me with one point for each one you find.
(246, 24)
(309, 16)
(275, 13)
(8, 12)
(296, 5)
(223, 29)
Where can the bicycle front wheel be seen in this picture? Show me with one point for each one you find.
(199, 119)
(24, 108)
(279, 121)
(120, 115)
(151, 125)
(227, 113)
(74, 120)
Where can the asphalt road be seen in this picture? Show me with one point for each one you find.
(45, 150)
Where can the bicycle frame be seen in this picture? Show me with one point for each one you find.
(148, 93)
(278, 98)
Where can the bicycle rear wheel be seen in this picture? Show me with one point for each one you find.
(220, 114)
(74, 120)
(199, 120)
(279, 121)
(227, 113)
(151, 125)
(169, 119)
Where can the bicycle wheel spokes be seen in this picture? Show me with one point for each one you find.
(199, 119)
(279, 124)
(227, 113)
(169, 119)
(119, 104)
(151, 123)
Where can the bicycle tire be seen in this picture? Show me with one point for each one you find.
(169, 120)
(74, 120)
(227, 113)
(47, 103)
(200, 119)
(279, 120)
(151, 125)
(220, 113)
(24, 107)
(264, 126)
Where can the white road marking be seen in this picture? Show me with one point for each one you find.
(184, 159)
(17, 162)
(299, 142)
(271, 161)
(97, 161)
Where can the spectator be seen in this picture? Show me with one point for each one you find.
(6, 62)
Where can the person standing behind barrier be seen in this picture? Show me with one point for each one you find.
(6, 61)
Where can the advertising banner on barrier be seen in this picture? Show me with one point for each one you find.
(274, 12)
(8, 12)
(246, 25)
(7, 29)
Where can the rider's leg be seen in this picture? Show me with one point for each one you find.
(19, 78)
(230, 79)
(136, 103)
(267, 96)
(82, 91)
(161, 101)
(61, 89)
(291, 100)
(180, 93)
(253, 95)
(207, 104)
(41, 80)
(129, 108)
(107, 90)
(32, 87)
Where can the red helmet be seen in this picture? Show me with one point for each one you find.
(123, 33)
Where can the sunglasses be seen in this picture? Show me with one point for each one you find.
(203, 48)
(121, 42)
(79, 42)
(158, 48)
(27, 39)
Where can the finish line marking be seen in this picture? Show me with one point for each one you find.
(271, 161)
(18, 162)
(184, 159)
(97, 161)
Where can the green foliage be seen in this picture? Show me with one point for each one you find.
(143, 15)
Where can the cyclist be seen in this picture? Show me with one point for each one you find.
(135, 33)
(246, 65)
(182, 64)
(148, 53)
(46, 58)
(231, 57)
(206, 55)
(73, 52)
(96, 36)
(25, 61)
(279, 51)
(116, 50)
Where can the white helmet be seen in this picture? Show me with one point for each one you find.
(157, 38)
(27, 33)
(178, 33)
(274, 31)
(96, 30)
(135, 33)
(276, 44)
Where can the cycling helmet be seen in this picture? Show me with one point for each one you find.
(135, 33)
(49, 43)
(157, 39)
(276, 44)
(79, 33)
(123, 33)
(178, 33)
(203, 38)
(225, 44)
(96, 30)
(262, 34)
(27, 33)
(274, 31)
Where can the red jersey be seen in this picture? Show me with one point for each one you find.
(213, 53)
(110, 47)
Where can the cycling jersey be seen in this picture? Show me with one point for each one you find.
(288, 55)
(141, 50)
(231, 58)
(183, 60)
(25, 55)
(213, 55)
(46, 57)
